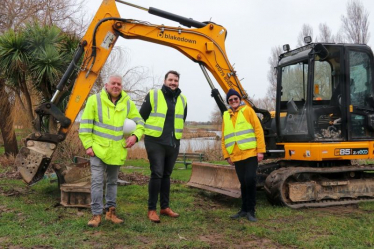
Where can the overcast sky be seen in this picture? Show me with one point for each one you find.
(253, 26)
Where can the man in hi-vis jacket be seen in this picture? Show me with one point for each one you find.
(101, 132)
(164, 112)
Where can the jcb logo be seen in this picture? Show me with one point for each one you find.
(342, 152)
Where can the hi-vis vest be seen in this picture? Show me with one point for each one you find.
(155, 122)
(101, 126)
(243, 133)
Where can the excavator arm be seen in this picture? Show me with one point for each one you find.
(204, 45)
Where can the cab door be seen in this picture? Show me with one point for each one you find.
(360, 98)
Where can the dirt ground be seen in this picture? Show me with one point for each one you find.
(138, 179)
(12, 174)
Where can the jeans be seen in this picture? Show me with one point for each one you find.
(162, 159)
(246, 171)
(98, 169)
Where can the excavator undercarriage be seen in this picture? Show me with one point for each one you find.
(298, 187)
(295, 187)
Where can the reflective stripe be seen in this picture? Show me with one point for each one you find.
(152, 127)
(161, 115)
(178, 130)
(244, 132)
(239, 133)
(109, 127)
(136, 119)
(87, 121)
(88, 130)
(230, 135)
(230, 144)
(179, 116)
(104, 135)
(99, 107)
(128, 107)
(251, 139)
(183, 101)
(155, 99)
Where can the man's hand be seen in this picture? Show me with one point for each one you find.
(260, 156)
(229, 161)
(90, 152)
(130, 141)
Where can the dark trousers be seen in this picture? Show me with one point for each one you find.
(246, 171)
(162, 159)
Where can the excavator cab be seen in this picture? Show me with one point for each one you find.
(326, 91)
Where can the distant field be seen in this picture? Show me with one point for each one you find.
(203, 126)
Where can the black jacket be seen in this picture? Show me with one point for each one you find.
(168, 136)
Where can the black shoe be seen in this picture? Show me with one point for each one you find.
(251, 217)
(238, 215)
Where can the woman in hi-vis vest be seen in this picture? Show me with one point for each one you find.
(243, 145)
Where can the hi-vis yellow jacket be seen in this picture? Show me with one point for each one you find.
(101, 126)
(251, 148)
(155, 123)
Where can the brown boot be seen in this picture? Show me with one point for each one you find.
(111, 215)
(152, 215)
(169, 212)
(95, 221)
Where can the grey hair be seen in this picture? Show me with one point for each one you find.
(115, 76)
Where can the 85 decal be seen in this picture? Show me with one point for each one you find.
(349, 152)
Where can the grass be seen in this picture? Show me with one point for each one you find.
(31, 217)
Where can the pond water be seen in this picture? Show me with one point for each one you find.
(194, 144)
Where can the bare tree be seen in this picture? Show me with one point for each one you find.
(306, 30)
(339, 37)
(66, 14)
(269, 101)
(137, 80)
(356, 24)
(325, 33)
(216, 117)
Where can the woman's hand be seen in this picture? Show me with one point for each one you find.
(229, 161)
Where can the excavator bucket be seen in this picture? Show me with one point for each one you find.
(221, 179)
(32, 161)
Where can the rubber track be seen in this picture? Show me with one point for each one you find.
(275, 186)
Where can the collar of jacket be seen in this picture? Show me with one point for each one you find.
(122, 96)
(232, 112)
(170, 93)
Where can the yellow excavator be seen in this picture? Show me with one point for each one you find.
(324, 118)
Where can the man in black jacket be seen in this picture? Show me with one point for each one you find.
(164, 112)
